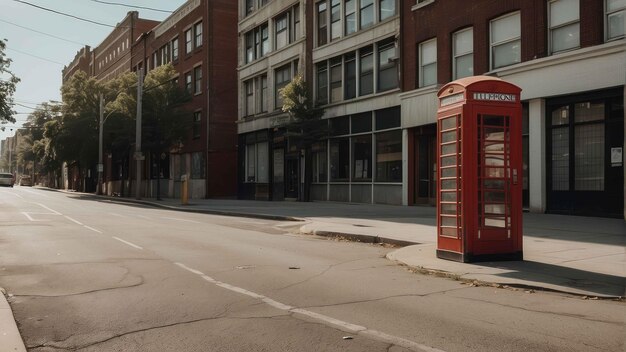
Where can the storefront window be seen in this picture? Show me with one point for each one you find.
(362, 158)
(339, 159)
(320, 163)
(389, 156)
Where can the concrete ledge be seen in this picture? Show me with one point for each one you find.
(10, 339)
(356, 237)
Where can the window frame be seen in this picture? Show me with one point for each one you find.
(456, 55)
(197, 124)
(175, 52)
(197, 79)
(188, 40)
(608, 13)
(492, 44)
(422, 64)
(552, 28)
(197, 31)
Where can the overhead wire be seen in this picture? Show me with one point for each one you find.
(43, 33)
(37, 57)
(64, 14)
(131, 6)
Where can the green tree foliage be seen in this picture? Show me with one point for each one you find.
(305, 124)
(8, 81)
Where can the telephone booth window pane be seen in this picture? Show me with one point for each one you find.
(497, 222)
(448, 196)
(448, 172)
(448, 123)
(449, 232)
(495, 209)
(449, 221)
(494, 196)
(448, 149)
(560, 159)
(448, 184)
(496, 172)
(449, 209)
(494, 160)
(448, 136)
(449, 161)
(493, 184)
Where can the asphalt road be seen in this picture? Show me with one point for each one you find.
(90, 275)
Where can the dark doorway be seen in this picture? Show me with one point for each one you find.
(425, 165)
(291, 178)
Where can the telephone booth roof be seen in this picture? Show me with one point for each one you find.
(485, 84)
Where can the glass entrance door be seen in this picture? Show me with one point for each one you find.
(494, 177)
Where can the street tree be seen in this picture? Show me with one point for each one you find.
(305, 125)
(8, 82)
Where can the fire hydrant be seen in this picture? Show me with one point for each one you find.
(184, 190)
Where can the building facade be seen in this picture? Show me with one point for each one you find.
(347, 51)
(568, 56)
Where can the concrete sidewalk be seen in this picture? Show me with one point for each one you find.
(571, 254)
(10, 339)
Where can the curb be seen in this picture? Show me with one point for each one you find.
(10, 338)
(358, 238)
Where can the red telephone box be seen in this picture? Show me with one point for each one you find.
(479, 170)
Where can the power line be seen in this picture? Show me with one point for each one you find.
(35, 56)
(43, 33)
(64, 14)
(132, 6)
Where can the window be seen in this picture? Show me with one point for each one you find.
(505, 42)
(249, 6)
(155, 60)
(320, 162)
(335, 19)
(198, 32)
(322, 24)
(366, 71)
(283, 76)
(615, 10)
(175, 49)
(428, 63)
(350, 11)
(367, 13)
(257, 162)
(387, 67)
(387, 9)
(463, 54)
(322, 83)
(296, 23)
(249, 88)
(188, 80)
(197, 72)
(282, 34)
(362, 158)
(350, 76)
(263, 96)
(188, 45)
(257, 43)
(389, 156)
(339, 159)
(335, 80)
(564, 18)
(197, 123)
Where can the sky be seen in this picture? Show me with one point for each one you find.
(38, 59)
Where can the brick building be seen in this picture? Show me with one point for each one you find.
(568, 56)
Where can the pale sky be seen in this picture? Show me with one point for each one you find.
(41, 79)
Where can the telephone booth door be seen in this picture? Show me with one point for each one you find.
(479, 191)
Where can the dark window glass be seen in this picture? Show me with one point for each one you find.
(389, 156)
(366, 71)
(340, 126)
(322, 23)
(388, 118)
(362, 158)
(322, 83)
(339, 159)
(362, 122)
(350, 76)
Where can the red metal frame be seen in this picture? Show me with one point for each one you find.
(479, 171)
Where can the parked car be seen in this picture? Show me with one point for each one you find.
(25, 180)
(6, 179)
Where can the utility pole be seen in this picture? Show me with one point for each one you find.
(138, 157)
(100, 165)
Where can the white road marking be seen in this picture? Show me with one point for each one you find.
(72, 220)
(45, 207)
(177, 219)
(128, 243)
(14, 194)
(357, 329)
(92, 229)
(28, 216)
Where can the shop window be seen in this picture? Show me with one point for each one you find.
(505, 40)
(564, 25)
(339, 159)
(320, 162)
(388, 118)
(257, 162)
(362, 158)
(362, 122)
(428, 63)
(615, 17)
(463, 54)
(389, 156)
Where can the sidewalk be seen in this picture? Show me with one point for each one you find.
(572, 254)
